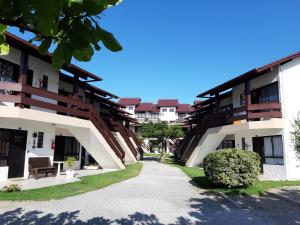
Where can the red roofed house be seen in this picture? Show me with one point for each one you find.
(129, 103)
(169, 110)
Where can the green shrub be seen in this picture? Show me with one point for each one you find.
(232, 167)
(11, 188)
(70, 162)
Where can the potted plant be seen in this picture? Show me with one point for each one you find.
(70, 162)
(92, 166)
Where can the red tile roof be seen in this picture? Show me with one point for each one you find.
(129, 101)
(144, 107)
(167, 102)
(248, 75)
(155, 109)
(186, 108)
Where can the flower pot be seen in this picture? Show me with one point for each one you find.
(70, 173)
(91, 167)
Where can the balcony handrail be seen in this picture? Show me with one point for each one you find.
(264, 106)
(74, 107)
(251, 112)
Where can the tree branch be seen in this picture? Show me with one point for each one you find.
(19, 24)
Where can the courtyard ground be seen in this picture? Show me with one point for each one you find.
(161, 194)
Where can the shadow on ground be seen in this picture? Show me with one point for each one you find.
(207, 209)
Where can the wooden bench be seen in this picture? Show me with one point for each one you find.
(40, 165)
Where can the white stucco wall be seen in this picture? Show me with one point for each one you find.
(289, 90)
(168, 116)
(131, 110)
(31, 127)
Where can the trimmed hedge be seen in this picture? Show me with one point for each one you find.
(232, 167)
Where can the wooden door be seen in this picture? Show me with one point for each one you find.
(16, 155)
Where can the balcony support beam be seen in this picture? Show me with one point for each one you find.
(76, 86)
(247, 96)
(217, 98)
(23, 74)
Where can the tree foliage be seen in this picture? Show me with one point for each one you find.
(295, 135)
(71, 26)
(161, 131)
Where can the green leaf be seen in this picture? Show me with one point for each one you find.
(84, 55)
(2, 28)
(45, 45)
(46, 15)
(95, 7)
(97, 47)
(108, 39)
(58, 57)
(4, 49)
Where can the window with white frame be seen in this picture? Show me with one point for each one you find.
(130, 108)
(141, 114)
(40, 140)
(171, 110)
(154, 115)
(164, 110)
(273, 150)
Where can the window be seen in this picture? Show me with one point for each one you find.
(225, 144)
(242, 99)
(141, 114)
(226, 108)
(130, 108)
(154, 115)
(44, 83)
(181, 115)
(8, 71)
(172, 110)
(268, 93)
(40, 140)
(244, 146)
(273, 150)
(164, 110)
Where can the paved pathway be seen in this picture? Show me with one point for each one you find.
(160, 195)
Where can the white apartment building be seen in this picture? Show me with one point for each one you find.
(255, 112)
(45, 113)
(169, 110)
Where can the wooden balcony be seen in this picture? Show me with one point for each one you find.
(20, 95)
(251, 112)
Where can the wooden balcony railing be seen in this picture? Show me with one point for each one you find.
(249, 113)
(18, 93)
(118, 127)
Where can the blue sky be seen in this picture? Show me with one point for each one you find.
(177, 49)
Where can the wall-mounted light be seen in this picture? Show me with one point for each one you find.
(34, 137)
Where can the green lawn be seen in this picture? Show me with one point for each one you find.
(198, 178)
(86, 184)
(155, 155)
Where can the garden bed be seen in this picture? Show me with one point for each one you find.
(199, 179)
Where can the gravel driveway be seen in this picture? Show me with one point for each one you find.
(160, 195)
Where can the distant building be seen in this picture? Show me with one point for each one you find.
(169, 110)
